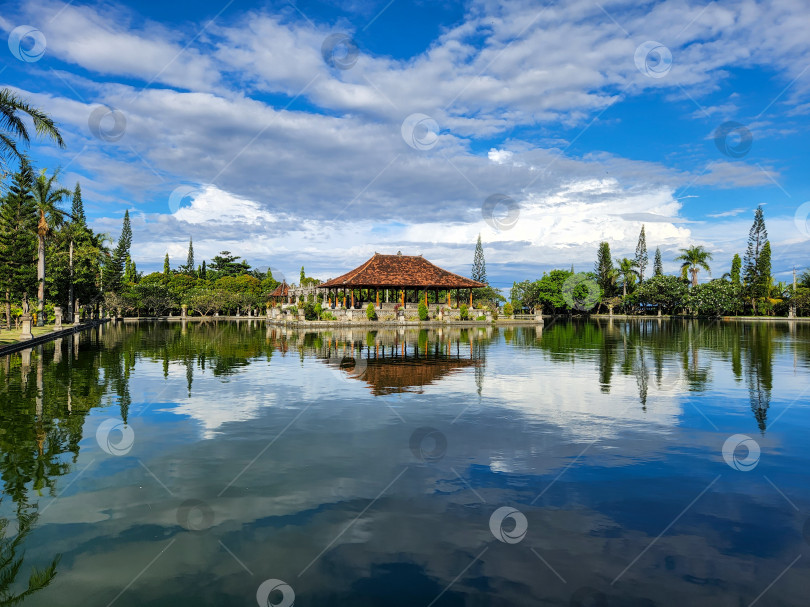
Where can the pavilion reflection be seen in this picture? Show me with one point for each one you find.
(395, 360)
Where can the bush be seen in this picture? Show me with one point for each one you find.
(293, 310)
(309, 312)
(423, 311)
(464, 313)
(328, 316)
(318, 310)
(481, 318)
(371, 313)
(508, 310)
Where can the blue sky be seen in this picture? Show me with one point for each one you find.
(241, 127)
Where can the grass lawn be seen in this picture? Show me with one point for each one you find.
(10, 337)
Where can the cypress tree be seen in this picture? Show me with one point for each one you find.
(166, 267)
(736, 265)
(18, 243)
(479, 266)
(603, 268)
(658, 265)
(303, 276)
(203, 271)
(190, 259)
(757, 238)
(764, 269)
(77, 208)
(641, 258)
(115, 272)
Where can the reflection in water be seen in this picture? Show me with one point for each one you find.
(511, 402)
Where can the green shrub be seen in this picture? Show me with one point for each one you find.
(423, 311)
(481, 318)
(464, 313)
(371, 313)
(318, 310)
(293, 310)
(508, 310)
(309, 312)
(328, 316)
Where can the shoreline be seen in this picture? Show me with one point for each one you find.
(43, 339)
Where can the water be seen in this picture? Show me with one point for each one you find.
(372, 468)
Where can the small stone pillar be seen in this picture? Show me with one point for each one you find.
(488, 314)
(401, 315)
(349, 314)
(183, 311)
(25, 333)
(538, 316)
(57, 318)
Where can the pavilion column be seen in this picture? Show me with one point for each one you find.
(403, 298)
(426, 297)
(352, 299)
(449, 303)
(471, 298)
(378, 299)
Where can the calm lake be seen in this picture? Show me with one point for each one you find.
(585, 463)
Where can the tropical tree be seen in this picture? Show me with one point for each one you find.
(18, 222)
(755, 282)
(627, 273)
(694, 258)
(604, 270)
(47, 196)
(13, 127)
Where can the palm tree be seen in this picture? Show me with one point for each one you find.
(627, 273)
(47, 196)
(13, 127)
(694, 258)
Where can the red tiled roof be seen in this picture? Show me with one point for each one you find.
(282, 290)
(401, 271)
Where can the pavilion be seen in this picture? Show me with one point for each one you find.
(402, 273)
(282, 291)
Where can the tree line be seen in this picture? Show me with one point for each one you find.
(748, 289)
